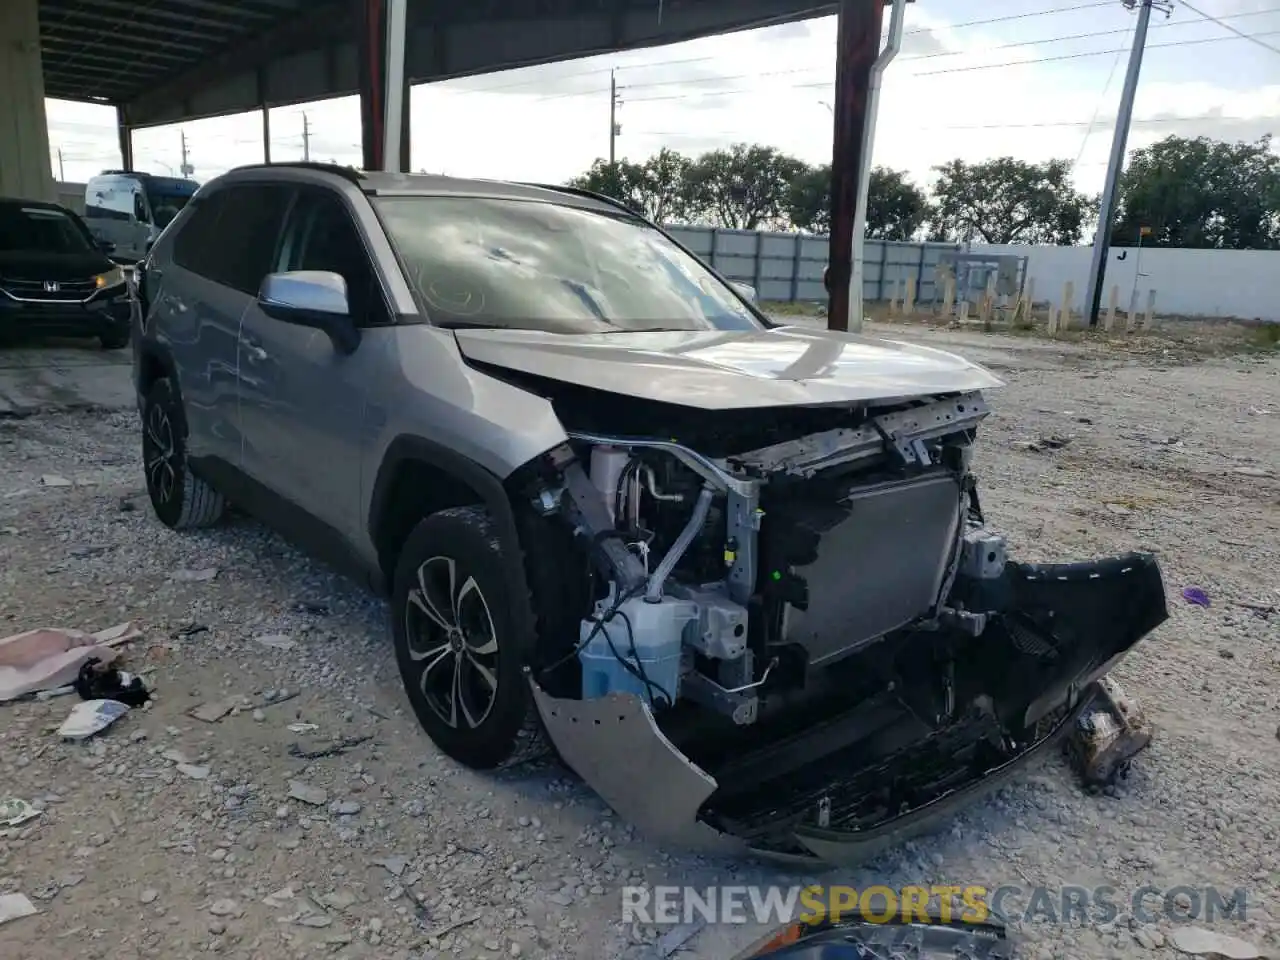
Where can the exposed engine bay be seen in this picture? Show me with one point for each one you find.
(805, 646)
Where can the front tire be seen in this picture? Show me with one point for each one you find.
(462, 633)
(179, 498)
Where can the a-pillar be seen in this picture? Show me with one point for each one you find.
(25, 167)
(381, 48)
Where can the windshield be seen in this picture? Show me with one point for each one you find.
(542, 266)
(40, 230)
(165, 206)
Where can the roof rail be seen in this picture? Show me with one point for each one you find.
(589, 194)
(347, 173)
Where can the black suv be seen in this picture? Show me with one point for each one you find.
(55, 279)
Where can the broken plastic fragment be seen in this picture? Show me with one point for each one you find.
(15, 812)
(90, 717)
(1195, 595)
(15, 906)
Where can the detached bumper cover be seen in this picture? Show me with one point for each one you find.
(838, 807)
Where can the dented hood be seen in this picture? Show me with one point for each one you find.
(731, 369)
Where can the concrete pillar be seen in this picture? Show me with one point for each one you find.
(25, 169)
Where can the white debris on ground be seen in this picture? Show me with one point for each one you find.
(275, 798)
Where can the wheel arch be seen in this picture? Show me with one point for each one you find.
(154, 363)
(418, 477)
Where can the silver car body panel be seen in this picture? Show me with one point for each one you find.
(731, 369)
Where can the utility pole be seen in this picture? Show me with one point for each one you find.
(615, 128)
(186, 169)
(306, 139)
(1124, 116)
(62, 174)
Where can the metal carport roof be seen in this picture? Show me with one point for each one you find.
(165, 61)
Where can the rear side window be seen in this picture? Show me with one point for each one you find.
(231, 236)
(193, 247)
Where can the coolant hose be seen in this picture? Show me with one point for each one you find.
(653, 592)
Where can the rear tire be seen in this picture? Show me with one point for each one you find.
(462, 634)
(180, 499)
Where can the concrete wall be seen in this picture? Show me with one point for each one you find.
(788, 266)
(1209, 283)
(24, 131)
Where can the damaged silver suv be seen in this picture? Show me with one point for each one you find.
(735, 573)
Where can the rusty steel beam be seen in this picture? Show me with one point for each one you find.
(857, 46)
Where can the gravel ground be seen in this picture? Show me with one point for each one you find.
(169, 837)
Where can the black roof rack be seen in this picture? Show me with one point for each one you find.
(589, 194)
(347, 173)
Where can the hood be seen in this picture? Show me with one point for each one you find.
(731, 369)
(62, 267)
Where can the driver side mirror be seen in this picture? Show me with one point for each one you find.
(311, 298)
(747, 291)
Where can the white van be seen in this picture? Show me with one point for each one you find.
(126, 210)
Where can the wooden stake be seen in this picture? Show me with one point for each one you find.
(909, 299)
(948, 295)
(1148, 322)
(1110, 321)
(1068, 295)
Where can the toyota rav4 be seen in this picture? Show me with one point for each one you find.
(734, 572)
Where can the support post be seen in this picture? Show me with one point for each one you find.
(948, 294)
(1124, 115)
(125, 134)
(384, 92)
(1110, 322)
(909, 298)
(1131, 318)
(1148, 321)
(857, 47)
(266, 134)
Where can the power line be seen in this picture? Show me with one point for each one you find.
(933, 73)
(1227, 26)
(1084, 141)
(1066, 124)
(685, 60)
(926, 56)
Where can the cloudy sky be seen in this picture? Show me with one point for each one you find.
(1034, 79)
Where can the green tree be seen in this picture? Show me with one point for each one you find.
(657, 188)
(1197, 192)
(896, 208)
(1008, 201)
(745, 187)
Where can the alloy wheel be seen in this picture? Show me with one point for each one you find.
(159, 455)
(450, 635)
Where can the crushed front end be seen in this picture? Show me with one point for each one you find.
(812, 647)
